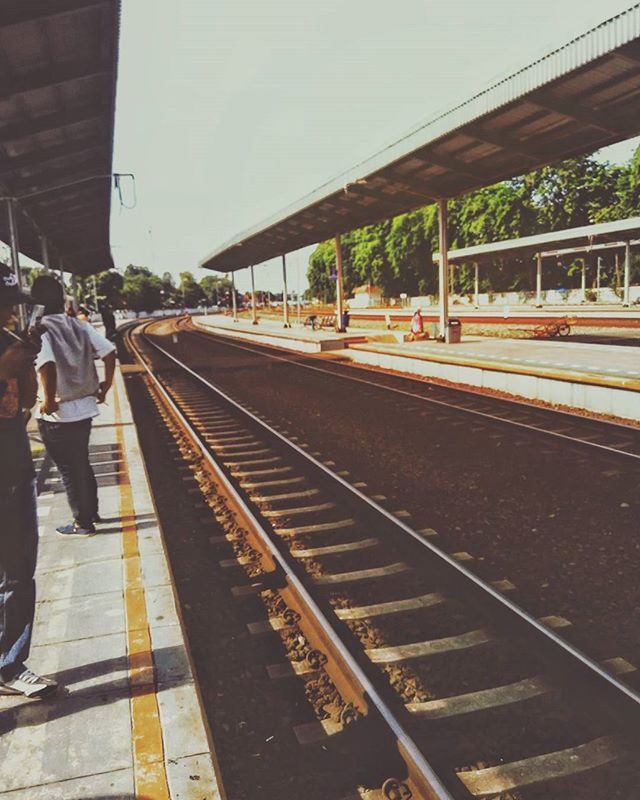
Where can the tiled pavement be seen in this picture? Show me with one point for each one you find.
(128, 723)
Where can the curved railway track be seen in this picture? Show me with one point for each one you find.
(479, 698)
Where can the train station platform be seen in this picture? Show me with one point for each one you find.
(599, 378)
(126, 723)
(269, 331)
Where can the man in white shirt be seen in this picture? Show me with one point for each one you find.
(72, 393)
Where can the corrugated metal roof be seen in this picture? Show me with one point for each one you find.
(624, 229)
(58, 68)
(583, 96)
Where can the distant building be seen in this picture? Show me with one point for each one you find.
(366, 296)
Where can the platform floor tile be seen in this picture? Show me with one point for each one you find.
(80, 745)
(116, 785)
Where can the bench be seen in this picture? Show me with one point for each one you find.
(328, 321)
(314, 321)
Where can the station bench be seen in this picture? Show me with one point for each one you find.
(314, 321)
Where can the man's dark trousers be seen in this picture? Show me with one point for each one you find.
(18, 553)
(68, 445)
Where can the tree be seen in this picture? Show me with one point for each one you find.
(628, 187)
(169, 291)
(215, 287)
(322, 264)
(409, 245)
(192, 294)
(109, 287)
(31, 273)
(367, 258)
(573, 193)
(142, 290)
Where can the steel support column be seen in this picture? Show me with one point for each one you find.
(234, 304)
(15, 256)
(298, 307)
(339, 286)
(583, 283)
(598, 268)
(476, 286)
(74, 291)
(45, 254)
(626, 298)
(538, 280)
(443, 270)
(285, 294)
(254, 310)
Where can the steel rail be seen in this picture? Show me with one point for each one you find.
(405, 742)
(485, 415)
(520, 615)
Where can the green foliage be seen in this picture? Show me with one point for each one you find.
(142, 289)
(109, 287)
(192, 294)
(214, 288)
(322, 264)
(29, 274)
(396, 255)
(573, 193)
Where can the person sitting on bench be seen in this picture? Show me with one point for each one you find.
(417, 327)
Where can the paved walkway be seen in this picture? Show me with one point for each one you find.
(128, 725)
(595, 359)
(269, 325)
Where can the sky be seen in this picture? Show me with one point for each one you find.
(229, 110)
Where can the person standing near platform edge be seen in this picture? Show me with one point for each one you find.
(19, 528)
(72, 393)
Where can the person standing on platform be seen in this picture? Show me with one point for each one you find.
(72, 393)
(19, 522)
(109, 321)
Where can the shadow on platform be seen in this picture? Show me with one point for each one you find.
(31, 713)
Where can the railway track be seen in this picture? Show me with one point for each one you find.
(562, 427)
(477, 697)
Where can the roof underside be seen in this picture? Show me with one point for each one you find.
(620, 231)
(58, 63)
(582, 97)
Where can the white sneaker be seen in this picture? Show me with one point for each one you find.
(29, 684)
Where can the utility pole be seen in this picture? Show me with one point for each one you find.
(339, 286)
(443, 270)
(285, 293)
(254, 310)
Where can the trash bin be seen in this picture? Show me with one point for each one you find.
(454, 331)
(344, 321)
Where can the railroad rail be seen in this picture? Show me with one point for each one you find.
(478, 697)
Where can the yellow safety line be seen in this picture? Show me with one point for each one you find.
(148, 751)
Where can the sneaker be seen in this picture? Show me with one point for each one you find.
(76, 529)
(29, 684)
(96, 519)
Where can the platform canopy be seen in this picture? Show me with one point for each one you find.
(58, 65)
(620, 232)
(575, 100)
